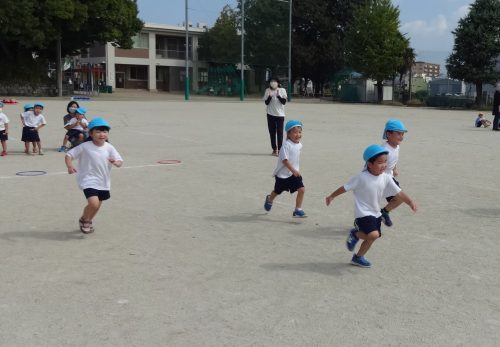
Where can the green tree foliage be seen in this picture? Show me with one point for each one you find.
(30, 29)
(477, 45)
(221, 43)
(319, 28)
(374, 45)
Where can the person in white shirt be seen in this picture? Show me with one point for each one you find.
(77, 127)
(369, 187)
(393, 135)
(95, 159)
(28, 108)
(275, 99)
(33, 121)
(4, 130)
(287, 174)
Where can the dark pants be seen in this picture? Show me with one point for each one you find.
(495, 122)
(275, 126)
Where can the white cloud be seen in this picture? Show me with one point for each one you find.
(432, 34)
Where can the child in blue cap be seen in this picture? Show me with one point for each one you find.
(369, 186)
(393, 135)
(287, 175)
(95, 159)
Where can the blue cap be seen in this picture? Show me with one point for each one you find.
(292, 124)
(372, 151)
(81, 110)
(27, 106)
(394, 125)
(98, 122)
(39, 104)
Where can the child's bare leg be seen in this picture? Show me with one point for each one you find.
(368, 240)
(93, 205)
(4, 145)
(65, 141)
(273, 195)
(26, 147)
(300, 197)
(39, 145)
(34, 147)
(395, 202)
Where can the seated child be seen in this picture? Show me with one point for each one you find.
(481, 121)
(77, 127)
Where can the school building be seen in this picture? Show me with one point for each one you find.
(155, 63)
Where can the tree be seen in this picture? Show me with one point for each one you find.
(221, 43)
(374, 45)
(75, 24)
(319, 28)
(477, 46)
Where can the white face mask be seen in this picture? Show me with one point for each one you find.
(273, 84)
(72, 109)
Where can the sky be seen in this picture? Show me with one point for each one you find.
(428, 23)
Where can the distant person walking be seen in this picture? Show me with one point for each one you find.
(275, 99)
(496, 108)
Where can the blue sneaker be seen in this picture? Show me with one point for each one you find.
(62, 149)
(351, 241)
(268, 204)
(385, 218)
(360, 261)
(299, 213)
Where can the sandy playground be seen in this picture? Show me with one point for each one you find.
(185, 255)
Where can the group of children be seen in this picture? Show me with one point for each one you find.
(375, 182)
(90, 147)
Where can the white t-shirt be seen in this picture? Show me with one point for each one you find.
(369, 190)
(94, 168)
(290, 151)
(3, 120)
(275, 107)
(78, 127)
(30, 120)
(392, 157)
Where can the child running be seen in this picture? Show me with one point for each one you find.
(71, 109)
(287, 174)
(4, 130)
(95, 159)
(393, 135)
(369, 187)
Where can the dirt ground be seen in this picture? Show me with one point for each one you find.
(185, 255)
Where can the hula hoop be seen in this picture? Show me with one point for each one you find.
(31, 173)
(169, 161)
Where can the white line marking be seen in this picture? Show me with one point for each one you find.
(66, 172)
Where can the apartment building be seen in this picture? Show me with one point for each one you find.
(156, 61)
(424, 69)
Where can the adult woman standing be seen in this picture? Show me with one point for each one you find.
(275, 99)
(496, 108)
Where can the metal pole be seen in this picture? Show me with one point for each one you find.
(186, 79)
(242, 86)
(290, 51)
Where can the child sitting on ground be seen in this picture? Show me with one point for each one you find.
(481, 121)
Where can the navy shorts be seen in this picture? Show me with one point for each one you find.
(290, 184)
(368, 224)
(389, 198)
(101, 194)
(3, 136)
(30, 135)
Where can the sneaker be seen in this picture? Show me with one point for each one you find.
(4, 153)
(351, 241)
(62, 149)
(360, 261)
(268, 204)
(40, 153)
(385, 218)
(299, 213)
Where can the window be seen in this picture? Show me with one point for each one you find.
(141, 40)
(203, 76)
(139, 73)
